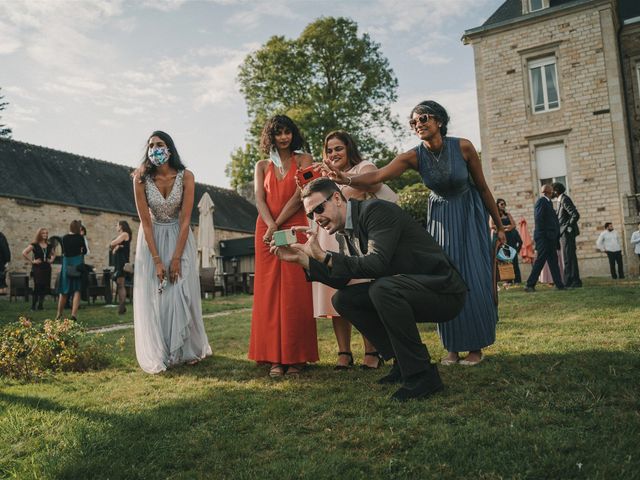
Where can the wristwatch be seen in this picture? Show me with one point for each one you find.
(327, 258)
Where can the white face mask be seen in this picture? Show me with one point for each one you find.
(158, 155)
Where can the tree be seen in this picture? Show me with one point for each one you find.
(329, 78)
(4, 130)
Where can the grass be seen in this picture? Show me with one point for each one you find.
(556, 398)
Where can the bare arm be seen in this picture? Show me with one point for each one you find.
(26, 252)
(145, 220)
(294, 203)
(475, 168)
(261, 199)
(123, 237)
(184, 219)
(394, 169)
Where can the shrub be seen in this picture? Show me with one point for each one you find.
(414, 199)
(29, 352)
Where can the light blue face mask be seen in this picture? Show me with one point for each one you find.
(158, 155)
(275, 157)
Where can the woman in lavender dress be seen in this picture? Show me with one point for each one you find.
(459, 208)
(167, 313)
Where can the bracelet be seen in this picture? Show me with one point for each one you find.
(156, 256)
(176, 258)
(349, 184)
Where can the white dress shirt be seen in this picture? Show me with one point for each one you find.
(608, 241)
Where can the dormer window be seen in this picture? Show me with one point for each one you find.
(535, 5)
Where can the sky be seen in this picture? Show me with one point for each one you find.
(96, 77)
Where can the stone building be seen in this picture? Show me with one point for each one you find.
(41, 187)
(559, 100)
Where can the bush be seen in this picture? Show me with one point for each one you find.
(414, 199)
(29, 352)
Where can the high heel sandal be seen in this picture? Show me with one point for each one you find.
(373, 354)
(276, 371)
(345, 367)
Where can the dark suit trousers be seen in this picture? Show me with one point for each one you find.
(386, 312)
(615, 257)
(547, 253)
(571, 271)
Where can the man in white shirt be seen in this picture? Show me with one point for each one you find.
(609, 243)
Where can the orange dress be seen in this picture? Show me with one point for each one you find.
(283, 329)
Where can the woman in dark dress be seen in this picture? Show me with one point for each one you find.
(73, 252)
(40, 255)
(120, 248)
(513, 237)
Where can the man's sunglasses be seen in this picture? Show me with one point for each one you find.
(319, 209)
(424, 118)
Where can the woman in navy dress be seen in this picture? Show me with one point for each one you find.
(460, 204)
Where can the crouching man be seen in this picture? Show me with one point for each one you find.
(412, 279)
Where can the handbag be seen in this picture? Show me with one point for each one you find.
(505, 271)
(128, 267)
(74, 271)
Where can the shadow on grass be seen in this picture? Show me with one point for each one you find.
(526, 416)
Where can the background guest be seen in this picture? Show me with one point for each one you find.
(511, 232)
(5, 258)
(73, 252)
(340, 152)
(568, 217)
(40, 254)
(121, 249)
(609, 243)
(546, 234)
(635, 240)
(83, 232)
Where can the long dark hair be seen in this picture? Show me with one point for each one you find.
(148, 169)
(435, 109)
(353, 155)
(124, 225)
(274, 125)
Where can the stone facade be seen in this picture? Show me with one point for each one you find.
(20, 220)
(590, 123)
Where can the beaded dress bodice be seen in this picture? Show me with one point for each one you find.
(164, 210)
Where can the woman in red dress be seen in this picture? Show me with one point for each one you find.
(283, 329)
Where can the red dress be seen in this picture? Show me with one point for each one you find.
(283, 329)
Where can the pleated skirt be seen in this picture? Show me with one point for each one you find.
(460, 224)
(168, 325)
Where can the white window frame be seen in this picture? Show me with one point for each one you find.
(559, 169)
(542, 63)
(544, 4)
(638, 78)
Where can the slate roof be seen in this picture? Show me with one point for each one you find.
(511, 11)
(42, 174)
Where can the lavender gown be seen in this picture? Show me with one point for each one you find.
(168, 326)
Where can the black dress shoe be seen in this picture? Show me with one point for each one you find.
(529, 289)
(420, 386)
(394, 376)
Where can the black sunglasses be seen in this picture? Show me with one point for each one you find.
(319, 209)
(424, 118)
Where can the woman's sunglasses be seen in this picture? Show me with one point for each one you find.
(424, 118)
(319, 209)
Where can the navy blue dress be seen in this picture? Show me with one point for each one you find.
(459, 222)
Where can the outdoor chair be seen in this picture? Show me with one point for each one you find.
(96, 287)
(19, 285)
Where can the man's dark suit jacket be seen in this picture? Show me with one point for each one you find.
(568, 216)
(392, 243)
(547, 228)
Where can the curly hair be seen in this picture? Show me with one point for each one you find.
(276, 124)
(435, 109)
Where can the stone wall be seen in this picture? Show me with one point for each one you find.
(19, 223)
(590, 121)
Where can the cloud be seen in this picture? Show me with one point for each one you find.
(9, 42)
(253, 14)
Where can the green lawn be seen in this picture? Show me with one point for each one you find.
(556, 398)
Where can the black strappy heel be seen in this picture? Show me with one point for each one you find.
(345, 367)
(373, 354)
